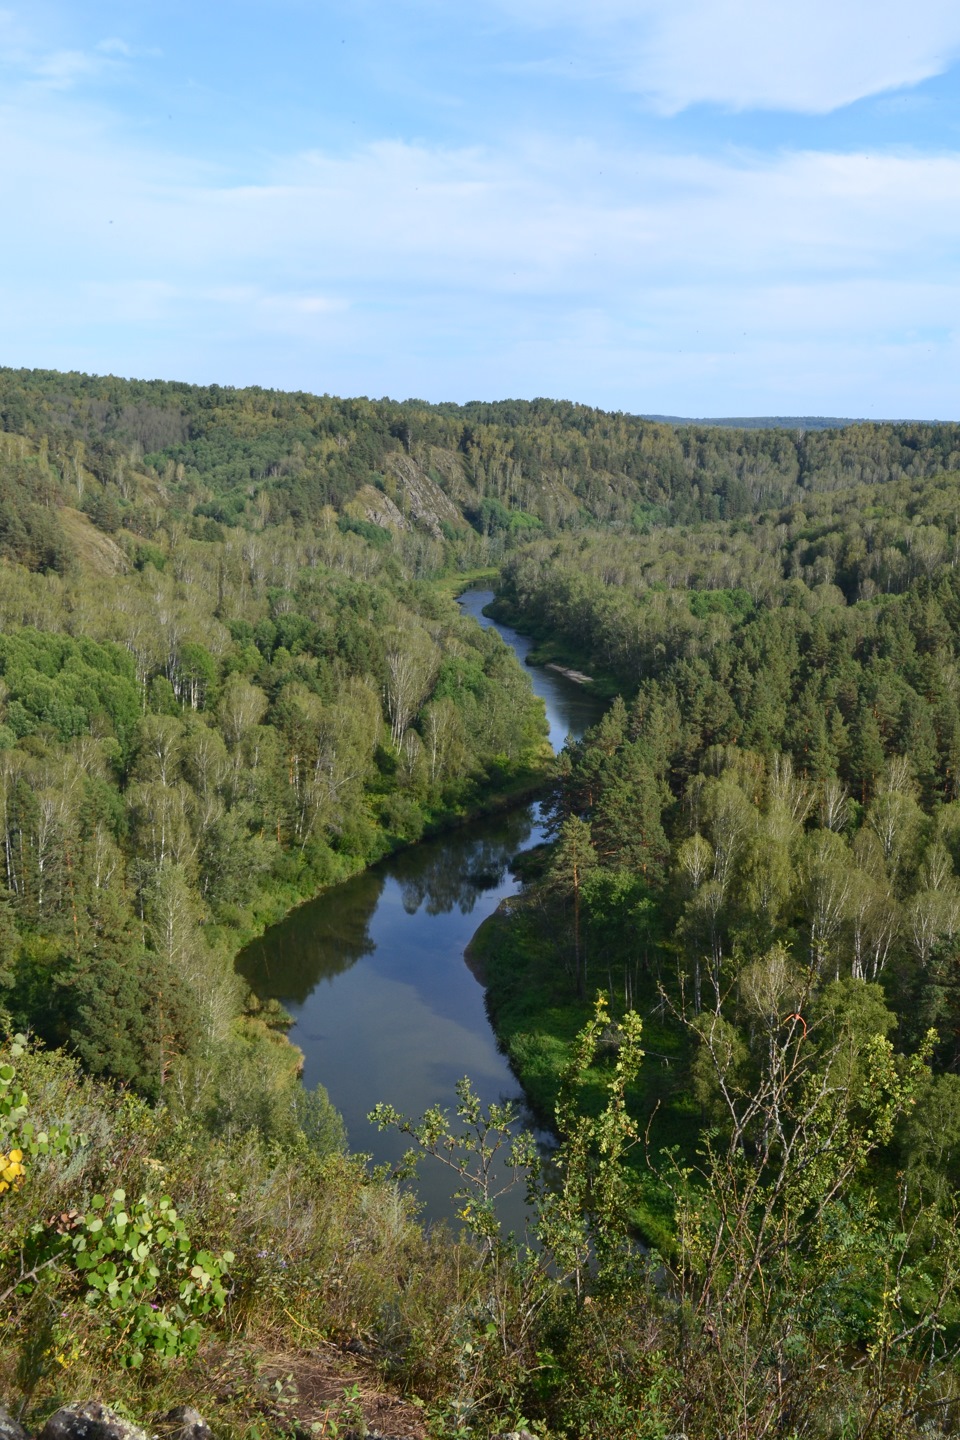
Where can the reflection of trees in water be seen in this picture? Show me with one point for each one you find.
(457, 870)
(444, 885)
(315, 942)
(324, 938)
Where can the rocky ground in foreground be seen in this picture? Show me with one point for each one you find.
(94, 1421)
(319, 1392)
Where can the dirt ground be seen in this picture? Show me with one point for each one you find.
(321, 1392)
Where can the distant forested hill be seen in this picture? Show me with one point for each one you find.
(763, 422)
(120, 449)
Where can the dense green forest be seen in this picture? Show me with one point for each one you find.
(193, 742)
(757, 849)
(232, 673)
(245, 458)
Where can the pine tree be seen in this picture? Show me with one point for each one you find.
(573, 859)
(127, 1012)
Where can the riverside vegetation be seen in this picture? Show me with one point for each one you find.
(232, 673)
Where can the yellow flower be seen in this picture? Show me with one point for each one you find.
(12, 1169)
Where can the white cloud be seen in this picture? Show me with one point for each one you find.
(503, 224)
(807, 282)
(113, 45)
(27, 56)
(61, 68)
(770, 54)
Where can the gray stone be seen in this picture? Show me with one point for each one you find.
(11, 1429)
(374, 1435)
(90, 1421)
(182, 1423)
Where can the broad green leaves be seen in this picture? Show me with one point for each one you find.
(140, 1267)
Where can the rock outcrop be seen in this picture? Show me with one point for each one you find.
(422, 498)
(11, 1429)
(90, 1421)
(94, 1421)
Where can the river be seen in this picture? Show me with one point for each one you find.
(373, 971)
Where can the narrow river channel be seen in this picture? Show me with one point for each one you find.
(373, 971)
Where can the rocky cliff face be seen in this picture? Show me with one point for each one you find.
(411, 499)
(421, 497)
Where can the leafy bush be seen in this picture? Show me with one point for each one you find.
(144, 1274)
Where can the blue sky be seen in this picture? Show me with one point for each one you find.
(697, 207)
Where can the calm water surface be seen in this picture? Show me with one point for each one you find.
(373, 972)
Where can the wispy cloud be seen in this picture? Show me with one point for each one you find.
(498, 222)
(62, 68)
(654, 281)
(113, 45)
(27, 56)
(812, 57)
(645, 276)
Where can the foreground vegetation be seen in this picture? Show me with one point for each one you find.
(784, 1266)
(232, 673)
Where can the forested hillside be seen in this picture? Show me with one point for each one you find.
(202, 724)
(252, 457)
(784, 777)
(232, 673)
(757, 849)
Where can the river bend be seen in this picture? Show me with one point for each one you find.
(373, 971)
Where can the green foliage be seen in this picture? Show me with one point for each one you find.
(224, 684)
(572, 864)
(735, 603)
(31, 533)
(478, 1154)
(781, 774)
(320, 1247)
(582, 1208)
(141, 1268)
(579, 1207)
(67, 685)
(229, 454)
(783, 1249)
(126, 1013)
(492, 517)
(219, 714)
(790, 1292)
(375, 534)
(13, 1102)
(586, 1217)
(247, 1085)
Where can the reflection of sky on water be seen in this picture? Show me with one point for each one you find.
(401, 1017)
